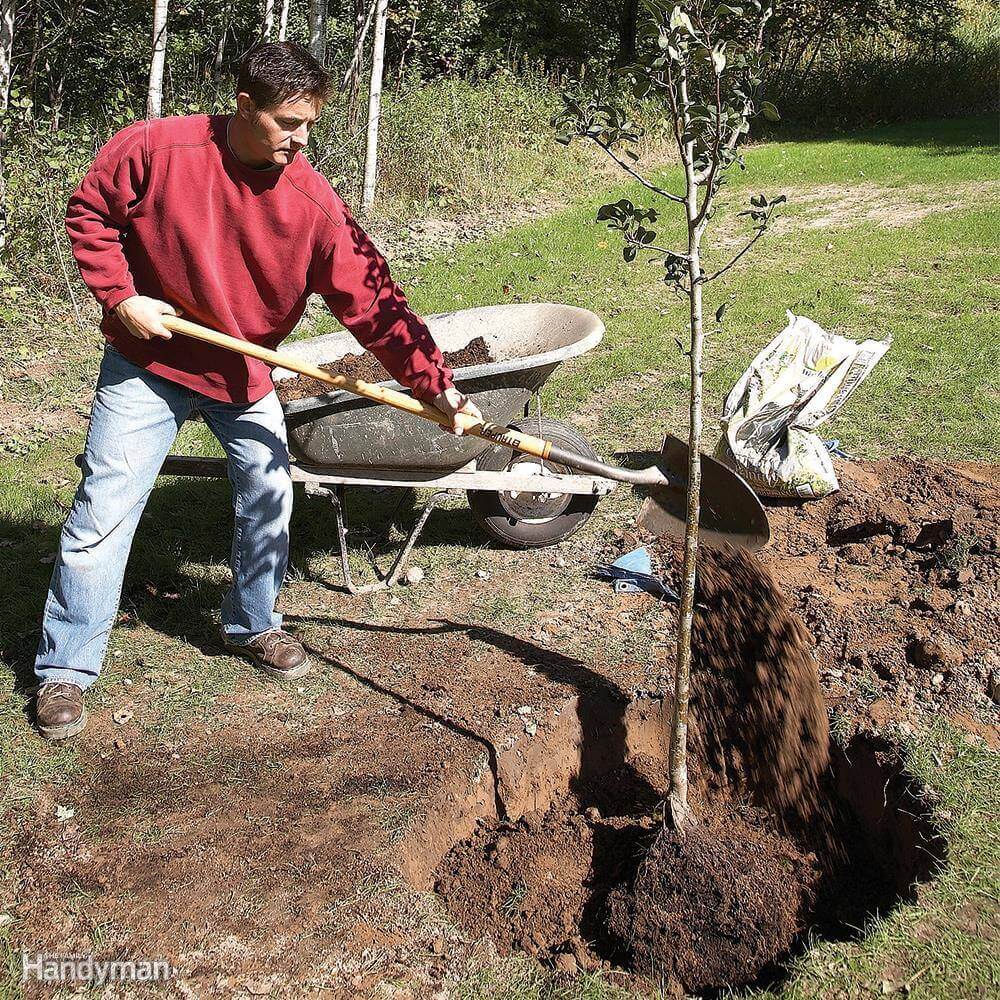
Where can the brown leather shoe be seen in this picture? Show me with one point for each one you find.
(59, 711)
(276, 653)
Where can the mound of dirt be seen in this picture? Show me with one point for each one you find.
(718, 906)
(367, 368)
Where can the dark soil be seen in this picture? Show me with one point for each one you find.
(367, 368)
(717, 906)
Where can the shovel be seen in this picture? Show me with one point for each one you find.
(730, 511)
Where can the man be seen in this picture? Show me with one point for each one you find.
(223, 219)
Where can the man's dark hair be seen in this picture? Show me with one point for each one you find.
(275, 71)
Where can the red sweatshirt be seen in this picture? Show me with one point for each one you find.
(167, 210)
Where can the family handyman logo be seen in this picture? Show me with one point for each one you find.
(87, 969)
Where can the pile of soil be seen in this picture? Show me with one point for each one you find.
(897, 578)
(367, 368)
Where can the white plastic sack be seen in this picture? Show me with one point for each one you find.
(795, 384)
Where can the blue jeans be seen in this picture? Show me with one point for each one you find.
(135, 417)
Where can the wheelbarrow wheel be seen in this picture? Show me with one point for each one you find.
(533, 520)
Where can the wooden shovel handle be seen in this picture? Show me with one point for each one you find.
(377, 393)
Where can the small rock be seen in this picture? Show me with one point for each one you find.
(437, 946)
(963, 608)
(856, 553)
(413, 575)
(530, 728)
(566, 963)
(122, 716)
(993, 686)
(964, 576)
(937, 680)
(592, 814)
(525, 710)
(934, 654)
(64, 813)
(481, 574)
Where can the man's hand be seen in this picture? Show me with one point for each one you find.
(142, 316)
(451, 402)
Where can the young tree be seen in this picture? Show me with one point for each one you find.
(283, 21)
(702, 63)
(154, 99)
(374, 105)
(268, 19)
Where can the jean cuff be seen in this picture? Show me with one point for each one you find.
(61, 675)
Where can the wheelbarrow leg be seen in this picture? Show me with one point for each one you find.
(336, 496)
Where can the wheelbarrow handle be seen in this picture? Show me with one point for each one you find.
(379, 394)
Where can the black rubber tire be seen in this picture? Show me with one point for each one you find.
(572, 510)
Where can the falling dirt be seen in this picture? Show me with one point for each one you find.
(367, 368)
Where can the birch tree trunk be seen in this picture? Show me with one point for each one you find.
(6, 48)
(317, 29)
(374, 105)
(154, 99)
(283, 21)
(268, 19)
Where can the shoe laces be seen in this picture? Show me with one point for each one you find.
(58, 691)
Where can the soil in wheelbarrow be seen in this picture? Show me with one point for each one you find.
(367, 368)
(727, 900)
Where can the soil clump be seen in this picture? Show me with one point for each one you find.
(718, 906)
(367, 368)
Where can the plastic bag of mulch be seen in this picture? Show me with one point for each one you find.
(800, 380)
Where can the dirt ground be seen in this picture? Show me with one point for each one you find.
(278, 850)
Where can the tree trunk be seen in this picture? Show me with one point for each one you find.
(6, 49)
(374, 105)
(363, 14)
(317, 29)
(154, 99)
(677, 797)
(627, 26)
(268, 19)
(283, 21)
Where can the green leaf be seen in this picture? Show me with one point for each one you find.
(770, 112)
(628, 253)
(721, 311)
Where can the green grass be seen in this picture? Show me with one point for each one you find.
(930, 283)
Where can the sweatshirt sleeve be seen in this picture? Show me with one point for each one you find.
(354, 280)
(99, 211)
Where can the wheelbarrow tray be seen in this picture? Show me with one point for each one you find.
(527, 343)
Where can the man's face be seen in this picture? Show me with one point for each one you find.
(279, 132)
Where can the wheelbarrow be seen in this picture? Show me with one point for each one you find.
(337, 439)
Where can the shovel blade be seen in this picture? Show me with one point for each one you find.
(731, 514)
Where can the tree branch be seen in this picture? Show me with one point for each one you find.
(635, 173)
(742, 253)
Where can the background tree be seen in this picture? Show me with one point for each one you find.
(317, 29)
(703, 63)
(154, 99)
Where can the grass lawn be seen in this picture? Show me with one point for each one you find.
(889, 232)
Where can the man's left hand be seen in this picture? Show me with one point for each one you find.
(452, 402)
